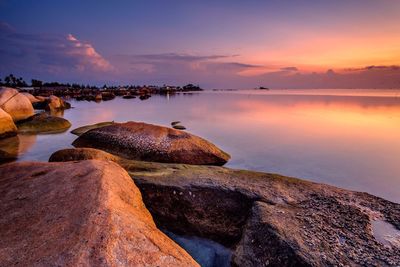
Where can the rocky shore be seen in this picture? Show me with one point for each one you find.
(105, 202)
(265, 219)
(103, 94)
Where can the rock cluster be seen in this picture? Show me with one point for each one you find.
(266, 219)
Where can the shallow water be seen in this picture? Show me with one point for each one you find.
(347, 138)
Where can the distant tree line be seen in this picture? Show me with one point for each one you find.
(12, 81)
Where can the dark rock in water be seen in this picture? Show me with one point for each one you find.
(175, 123)
(43, 123)
(128, 97)
(107, 96)
(87, 213)
(149, 142)
(266, 218)
(144, 97)
(81, 130)
(179, 127)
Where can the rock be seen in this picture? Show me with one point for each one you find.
(81, 130)
(43, 123)
(141, 141)
(56, 103)
(128, 97)
(16, 104)
(107, 96)
(144, 97)
(98, 97)
(179, 127)
(7, 126)
(87, 213)
(266, 218)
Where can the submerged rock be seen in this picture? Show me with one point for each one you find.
(43, 123)
(88, 213)
(142, 141)
(265, 218)
(7, 126)
(16, 104)
(81, 130)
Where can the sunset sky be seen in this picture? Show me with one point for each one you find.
(217, 44)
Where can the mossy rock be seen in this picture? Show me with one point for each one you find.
(43, 123)
(81, 130)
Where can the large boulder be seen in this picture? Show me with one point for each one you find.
(43, 123)
(142, 141)
(7, 126)
(87, 213)
(15, 104)
(267, 219)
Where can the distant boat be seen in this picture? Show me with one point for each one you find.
(263, 88)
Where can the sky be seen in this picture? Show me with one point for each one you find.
(216, 44)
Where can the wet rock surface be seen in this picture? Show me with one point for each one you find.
(266, 219)
(142, 141)
(43, 123)
(86, 213)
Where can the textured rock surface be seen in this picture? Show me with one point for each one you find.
(15, 104)
(81, 130)
(43, 123)
(141, 141)
(86, 213)
(266, 218)
(7, 126)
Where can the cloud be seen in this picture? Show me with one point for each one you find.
(373, 67)
(49, 54)
(177, 57)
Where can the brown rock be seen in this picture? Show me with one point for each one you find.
(86, 213)
(56, 103)
(16, 104)
(7, 126)
(142, 141)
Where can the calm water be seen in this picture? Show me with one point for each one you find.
(350, 139)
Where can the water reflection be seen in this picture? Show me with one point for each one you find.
(348, 141)
(16, 146)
